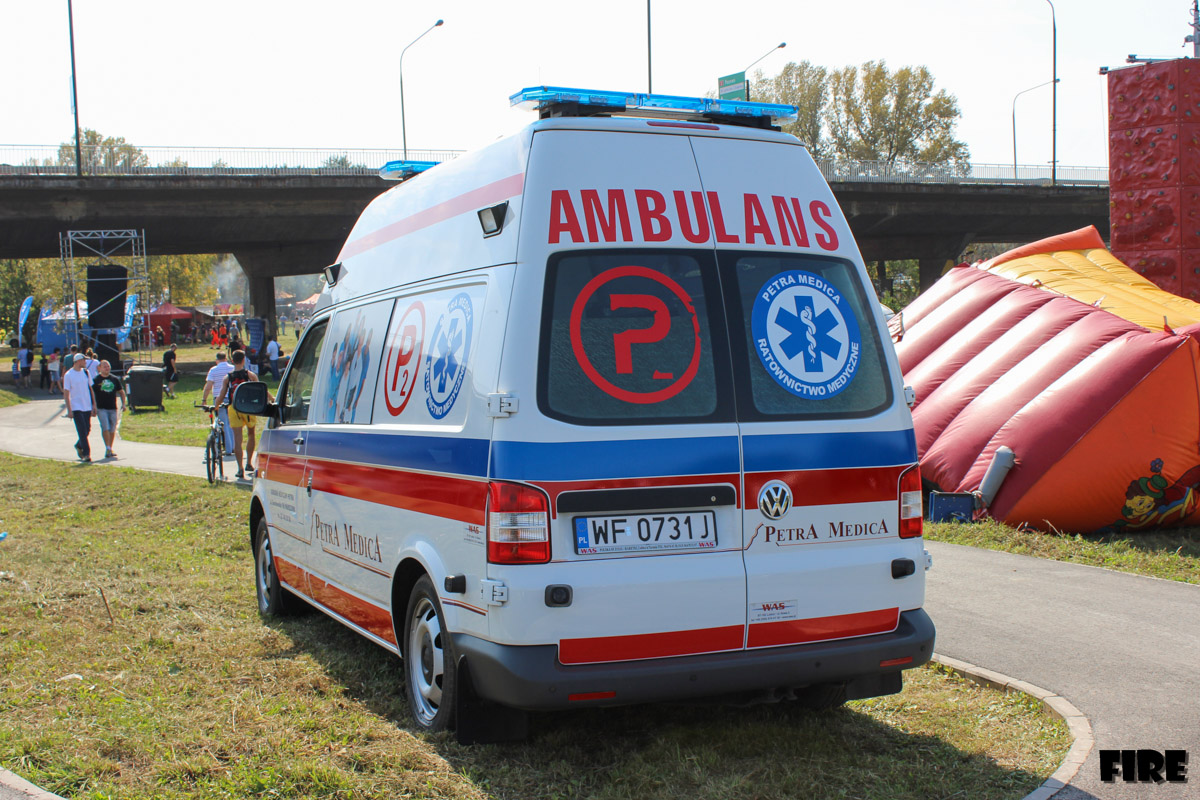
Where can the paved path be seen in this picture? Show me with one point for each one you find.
(39, 429)
(1123, 648)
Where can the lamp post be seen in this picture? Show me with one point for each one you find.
(1054, 101)
(74, 92)
(649, 70)
(1014, 124)
(403, 130)
(779, 46)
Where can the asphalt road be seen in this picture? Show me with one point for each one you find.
(1124, 649)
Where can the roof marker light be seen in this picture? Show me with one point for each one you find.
(403, 170)
(553, 101)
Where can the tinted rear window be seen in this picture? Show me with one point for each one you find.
(629, 337)
(809, 344)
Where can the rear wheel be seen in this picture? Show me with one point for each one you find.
(429, 661)
(212, 459)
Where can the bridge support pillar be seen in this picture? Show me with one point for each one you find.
(938, 256)
(260, 266)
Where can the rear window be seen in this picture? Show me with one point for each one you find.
(630, 337)
(809, 344)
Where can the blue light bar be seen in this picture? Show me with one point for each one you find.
(403, 170)
(543, 97)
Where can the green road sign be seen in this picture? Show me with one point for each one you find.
(733, 87)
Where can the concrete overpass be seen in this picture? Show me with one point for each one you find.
(295, 224)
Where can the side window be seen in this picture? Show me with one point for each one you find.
(356, 342)
(296, 395)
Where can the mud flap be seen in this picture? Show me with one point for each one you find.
(480, 721)
(865, 686)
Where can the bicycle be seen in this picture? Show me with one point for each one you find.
(214, 446)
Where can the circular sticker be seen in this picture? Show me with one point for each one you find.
(661, 330)
(446, 362)
(404, 358)
(805, 334)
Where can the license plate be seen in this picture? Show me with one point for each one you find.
(631, 533)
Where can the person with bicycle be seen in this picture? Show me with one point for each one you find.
(212, 384)
(238, 376)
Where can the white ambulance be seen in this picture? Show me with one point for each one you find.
(603, 413)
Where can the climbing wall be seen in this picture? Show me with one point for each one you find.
(1154, 172)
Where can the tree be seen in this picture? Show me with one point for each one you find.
(183, 279)
(879, 115)
(102, 154)
(805, 86)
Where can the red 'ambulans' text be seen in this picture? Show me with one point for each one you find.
(647, 215)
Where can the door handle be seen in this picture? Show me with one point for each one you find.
(298, 440)
(309, 487)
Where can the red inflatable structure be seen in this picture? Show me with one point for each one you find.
(1085, 370)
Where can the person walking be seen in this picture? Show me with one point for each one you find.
(25, 360)
(236, 378)
(107, 389)
(44, 379)
(273, 357)
(169, 374)
(212, 384)
(92, 365)
(81, 405)
(55, 363)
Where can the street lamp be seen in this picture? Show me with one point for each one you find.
(1054, 101)
(1014, 123)
(779, 46)
(74, 93)
(403, 131)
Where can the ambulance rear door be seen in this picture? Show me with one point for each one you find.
(825, 436)
(618, 352)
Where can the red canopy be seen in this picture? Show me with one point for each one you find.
(162, 316)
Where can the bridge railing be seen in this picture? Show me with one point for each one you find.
(201, 161)
(231, 161)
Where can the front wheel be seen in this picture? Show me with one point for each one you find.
(429, 662)
(212, 459)
(273, 599)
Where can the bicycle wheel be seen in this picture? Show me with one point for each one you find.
(211, 458)
(219, 443)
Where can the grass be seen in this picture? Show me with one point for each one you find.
(9, 397)
(133, 664)
(179, 422)
(1172, 554)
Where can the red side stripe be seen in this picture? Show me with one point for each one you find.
(290, 574)
(439, 495)
(822, 629)
(829, 486)
(284, 469)
(469, 201)
(649, 645)
(363, 614)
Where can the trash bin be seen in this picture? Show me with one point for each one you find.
(144, 385)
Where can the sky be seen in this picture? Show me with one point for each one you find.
(300, 74)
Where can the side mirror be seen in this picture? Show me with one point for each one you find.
(251, 398)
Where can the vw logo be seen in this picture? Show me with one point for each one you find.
(774, 499)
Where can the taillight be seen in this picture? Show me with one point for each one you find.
(911, 509)
(518, 530)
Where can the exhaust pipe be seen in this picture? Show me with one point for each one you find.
(997, 471)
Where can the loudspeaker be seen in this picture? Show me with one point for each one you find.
(106, 350)
(106, 287)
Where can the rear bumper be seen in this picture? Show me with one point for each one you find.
(531, 678)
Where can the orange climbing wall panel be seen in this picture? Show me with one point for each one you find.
(1154, 172)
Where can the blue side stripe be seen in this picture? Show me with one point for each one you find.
(798, 451)
(454, 455)
(630, 458)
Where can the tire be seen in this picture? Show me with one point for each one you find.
(211, 459)
(430, 671)
(273, 599)
(821, 696)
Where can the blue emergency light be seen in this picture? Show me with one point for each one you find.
(552, 101)
(403, 170)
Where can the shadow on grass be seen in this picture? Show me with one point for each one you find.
(696, 751)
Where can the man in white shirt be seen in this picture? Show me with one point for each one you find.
(77, 393)
(212, 384)
(273, 357)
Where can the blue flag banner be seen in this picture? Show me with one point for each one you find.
(130, 306)
(25, 306)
